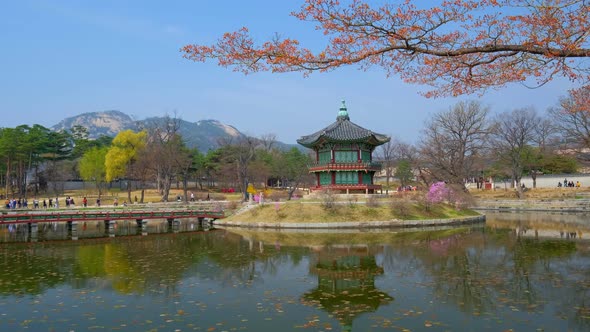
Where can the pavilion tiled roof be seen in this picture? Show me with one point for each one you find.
(343, 131)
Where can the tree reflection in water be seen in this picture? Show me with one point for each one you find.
(494, 278)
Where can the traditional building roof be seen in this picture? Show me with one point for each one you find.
(343, 131)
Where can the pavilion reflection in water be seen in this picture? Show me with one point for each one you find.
(346, 282)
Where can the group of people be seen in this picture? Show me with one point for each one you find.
(406, 188)
(16, 203)
(569, 184)
(69, 201)
(22, 203)
(115, 202)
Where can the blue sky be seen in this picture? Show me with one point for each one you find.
(62, 58)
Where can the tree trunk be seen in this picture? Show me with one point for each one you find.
(159, 180)
(129, 191)
(166, 184)
(185, 189)
(519, 192)
(7, 175)
(21, 179)
(292, 190)
(36, 180)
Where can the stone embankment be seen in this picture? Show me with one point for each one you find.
(354, 224)
(549, 205)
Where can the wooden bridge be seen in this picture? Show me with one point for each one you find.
(106, 216)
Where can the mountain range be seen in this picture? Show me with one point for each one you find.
(204, 135)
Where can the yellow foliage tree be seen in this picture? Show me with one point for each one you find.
(122, 154)
(251, 190)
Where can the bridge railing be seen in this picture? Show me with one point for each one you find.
(35, 217)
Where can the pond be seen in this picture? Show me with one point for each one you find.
(518, 272)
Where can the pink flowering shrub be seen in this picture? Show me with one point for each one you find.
(439, 192)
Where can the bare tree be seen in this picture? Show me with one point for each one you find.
(454, 140)
(184, 164)
(411, 153)
(545, 140)
(514, 132)
(394, 152)
(572, 120)
(143, 171)
(163, 139)
(545, 134)
(240, 154)
(58, 172)
(268, 141)
(386, 154)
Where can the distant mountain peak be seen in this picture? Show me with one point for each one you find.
(204, 134)
(230, 130)
(108, 123)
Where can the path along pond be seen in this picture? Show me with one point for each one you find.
(516, 272)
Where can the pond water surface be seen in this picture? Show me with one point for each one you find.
(518, 272)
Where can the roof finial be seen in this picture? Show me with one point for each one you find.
(343, 113)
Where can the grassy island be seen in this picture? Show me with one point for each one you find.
(317, 212)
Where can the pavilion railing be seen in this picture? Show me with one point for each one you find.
(345, 166)
(347, 186)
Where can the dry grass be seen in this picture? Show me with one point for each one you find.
(537, 193)
(297, 211)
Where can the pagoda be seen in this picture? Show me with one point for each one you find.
(344, 155)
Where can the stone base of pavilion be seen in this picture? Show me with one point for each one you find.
(350, 188)
(356, 224)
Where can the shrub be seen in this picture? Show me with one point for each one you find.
(352, 199)
(401, 207)
(423, 201)
(441, 192)
(277, 195)
(438, 192)
(328, 199)
(372, 201)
